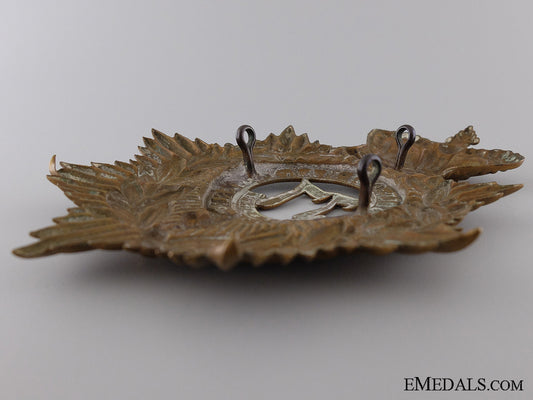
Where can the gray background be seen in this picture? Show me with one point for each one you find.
(85, 80)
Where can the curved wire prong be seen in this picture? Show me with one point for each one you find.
(368, 171)
(403, 148)
(247, 147)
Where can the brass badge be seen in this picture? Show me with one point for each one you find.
(198, 203)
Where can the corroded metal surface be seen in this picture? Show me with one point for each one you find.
(195, 203)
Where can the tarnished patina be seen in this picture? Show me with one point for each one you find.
(196, 203)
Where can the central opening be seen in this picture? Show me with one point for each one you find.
(306, 200)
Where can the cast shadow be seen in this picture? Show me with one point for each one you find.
(356, 273)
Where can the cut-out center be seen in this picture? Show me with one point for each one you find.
(306, 200)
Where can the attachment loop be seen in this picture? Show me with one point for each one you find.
(247, 147)
(403, 148)
(367, 179)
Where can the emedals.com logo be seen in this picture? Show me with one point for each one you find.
(433, 384)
